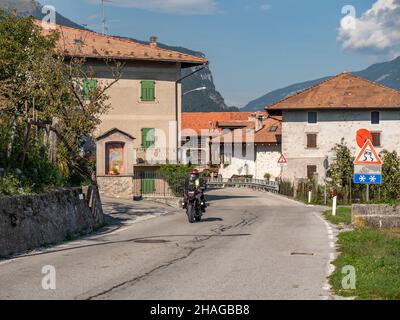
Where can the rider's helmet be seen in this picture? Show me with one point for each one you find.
(194, 175)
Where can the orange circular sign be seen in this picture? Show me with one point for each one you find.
(362, 136)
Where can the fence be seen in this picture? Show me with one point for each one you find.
(147, 184)
(215, 183)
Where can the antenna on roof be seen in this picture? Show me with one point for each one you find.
(104, 19)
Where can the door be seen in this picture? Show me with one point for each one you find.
(148, 183)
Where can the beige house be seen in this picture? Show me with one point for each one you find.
(319, 117)
(142, 128)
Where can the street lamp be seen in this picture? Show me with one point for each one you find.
(197, 89)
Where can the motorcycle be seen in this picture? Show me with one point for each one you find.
(193, 205)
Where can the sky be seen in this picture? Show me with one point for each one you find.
(256, 46)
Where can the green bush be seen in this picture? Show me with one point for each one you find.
(175, 175)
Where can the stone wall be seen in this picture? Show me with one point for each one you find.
(376, 216)
(116, 186)
(29, 222)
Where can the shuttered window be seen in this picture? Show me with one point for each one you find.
(148, 137)
(376, 139)
(88, 87)
(311, 170)
(148, 91)
(311, 140)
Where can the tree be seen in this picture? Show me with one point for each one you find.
(390, 188)
(41, 91)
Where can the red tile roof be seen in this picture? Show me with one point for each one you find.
(81, 43)
(199, 121)
(343, 91)
(262, 136)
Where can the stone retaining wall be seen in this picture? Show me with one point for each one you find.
(32, 221)
(376, 216)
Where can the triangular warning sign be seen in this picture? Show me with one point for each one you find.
(368, 155)
(282, 160)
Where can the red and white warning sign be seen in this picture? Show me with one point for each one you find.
(282, 162)
(368, 155)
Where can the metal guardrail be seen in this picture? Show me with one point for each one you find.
(216, 183)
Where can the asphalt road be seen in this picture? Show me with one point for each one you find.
(250, 245)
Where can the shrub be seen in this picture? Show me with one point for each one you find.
(175, 175)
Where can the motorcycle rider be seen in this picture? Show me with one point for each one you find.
(194, 179)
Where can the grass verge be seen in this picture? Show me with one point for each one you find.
(375, 255)
(343, 215)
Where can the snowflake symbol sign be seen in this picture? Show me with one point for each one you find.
(362, 178)
(372, 178)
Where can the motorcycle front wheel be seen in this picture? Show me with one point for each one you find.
(191, 213)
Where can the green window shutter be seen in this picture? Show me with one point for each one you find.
(148, 90)
(148, 137)
(88, 87)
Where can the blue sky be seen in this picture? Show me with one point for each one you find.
(254, 46)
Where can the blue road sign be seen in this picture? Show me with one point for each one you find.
(367, 178)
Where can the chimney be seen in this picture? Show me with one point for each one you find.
(153, 41)
(258, 117)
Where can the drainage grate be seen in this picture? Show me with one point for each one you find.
(302, 254)
(151, 241)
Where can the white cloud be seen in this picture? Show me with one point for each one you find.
(376, 31)
(265, 7)
(181, 7)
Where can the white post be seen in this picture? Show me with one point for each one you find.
(334, 205)
(309, 196)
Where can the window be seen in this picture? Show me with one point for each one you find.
(312, 117)
(311, 170)
(273, 129)
(311, 140)
(148, 137)
(88, 87)
(148, 91)
(114, 158)
(376, 139)
(375, 117)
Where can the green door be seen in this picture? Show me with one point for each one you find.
(148, 182)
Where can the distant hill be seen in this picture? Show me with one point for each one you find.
(197, 101)
(386, 73)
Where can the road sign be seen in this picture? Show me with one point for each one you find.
(368, 155)
(367, 178)
(362, 136)
(282, 162)
(367, 169)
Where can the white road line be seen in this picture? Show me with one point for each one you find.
(330, 268)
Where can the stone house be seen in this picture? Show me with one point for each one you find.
(319, 117)
(142, 128)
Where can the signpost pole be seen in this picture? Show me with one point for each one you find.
(334, 202)
(367, 193)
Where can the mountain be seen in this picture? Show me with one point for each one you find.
(196, 101)
(386, 73)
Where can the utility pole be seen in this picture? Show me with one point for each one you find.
(103, 21)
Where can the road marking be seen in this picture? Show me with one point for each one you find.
(330, 268)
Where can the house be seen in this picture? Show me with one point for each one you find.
(319, 117)
(141, 130)
(239, 143)
(252, 150)
(198, 128)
